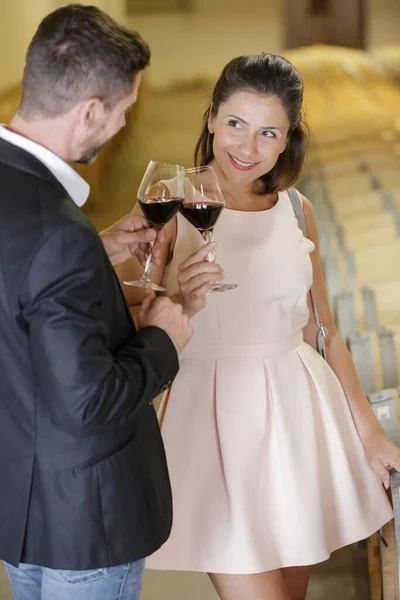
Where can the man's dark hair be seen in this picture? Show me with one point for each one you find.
(79, 52)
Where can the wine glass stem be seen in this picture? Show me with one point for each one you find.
(207, 237)
(147, 266)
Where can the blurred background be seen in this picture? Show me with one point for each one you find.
(348, 52)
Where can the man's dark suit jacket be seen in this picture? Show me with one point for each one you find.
(83, 477)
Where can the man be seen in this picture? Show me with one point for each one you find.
(84, 488)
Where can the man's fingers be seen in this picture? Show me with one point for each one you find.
(198, 256)
(127, 238)
(141, 255)
(132, 223)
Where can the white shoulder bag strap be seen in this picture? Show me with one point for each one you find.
(297, 204)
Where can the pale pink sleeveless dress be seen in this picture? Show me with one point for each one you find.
(266, 466)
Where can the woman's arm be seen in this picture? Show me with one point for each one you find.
(381, 452)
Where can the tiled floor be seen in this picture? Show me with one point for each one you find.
(165, 129)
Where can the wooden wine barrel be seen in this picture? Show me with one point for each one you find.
(336, 277)
(367, 357)
(389, 563)
(381, 160)
(392, 195)
(368, 309)
(364, 231)
(383, 564)
(383, 553)
(348, 271)
(352, 184)
(389, 179)
(395, 497)
(360, 149)
(372, 265)
(340, 167)
(352, 223)
(375, 356)
(357, 205)
(374, 567)
(346, 203)
(327, 153)
(355, 168)
(387, 166)
(386, 406)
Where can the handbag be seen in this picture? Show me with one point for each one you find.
(322, 333)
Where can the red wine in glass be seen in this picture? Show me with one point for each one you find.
(202, 215)
(159, 205)
(202, 207)
(158, 211)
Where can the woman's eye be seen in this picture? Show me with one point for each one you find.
(268, 134)
(233, 123)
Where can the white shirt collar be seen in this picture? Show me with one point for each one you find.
(73, 183)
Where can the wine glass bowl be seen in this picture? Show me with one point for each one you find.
(202, 206)
(159, 206)
(160, 197)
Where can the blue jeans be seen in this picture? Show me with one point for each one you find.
(29, 582)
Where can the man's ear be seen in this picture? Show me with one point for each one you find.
(91, 112)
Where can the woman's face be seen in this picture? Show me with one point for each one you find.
(250, 132)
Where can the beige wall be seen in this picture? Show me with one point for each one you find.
(18, 22)
(115, 8)
(183, 46)
(199, 44)
(341, 25)
(383, 22)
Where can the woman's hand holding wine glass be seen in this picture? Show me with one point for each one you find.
(203, 204)
(196, 276)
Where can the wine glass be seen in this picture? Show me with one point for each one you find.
(202, 206)
(160, 197)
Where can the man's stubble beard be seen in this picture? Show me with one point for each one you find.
(89, 156)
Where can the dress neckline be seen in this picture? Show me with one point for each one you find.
(256, 212)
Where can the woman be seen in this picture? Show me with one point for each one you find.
(275, 456)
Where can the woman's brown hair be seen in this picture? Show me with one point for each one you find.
(273, 76)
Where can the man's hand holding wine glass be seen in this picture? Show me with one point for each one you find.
(131, 236)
